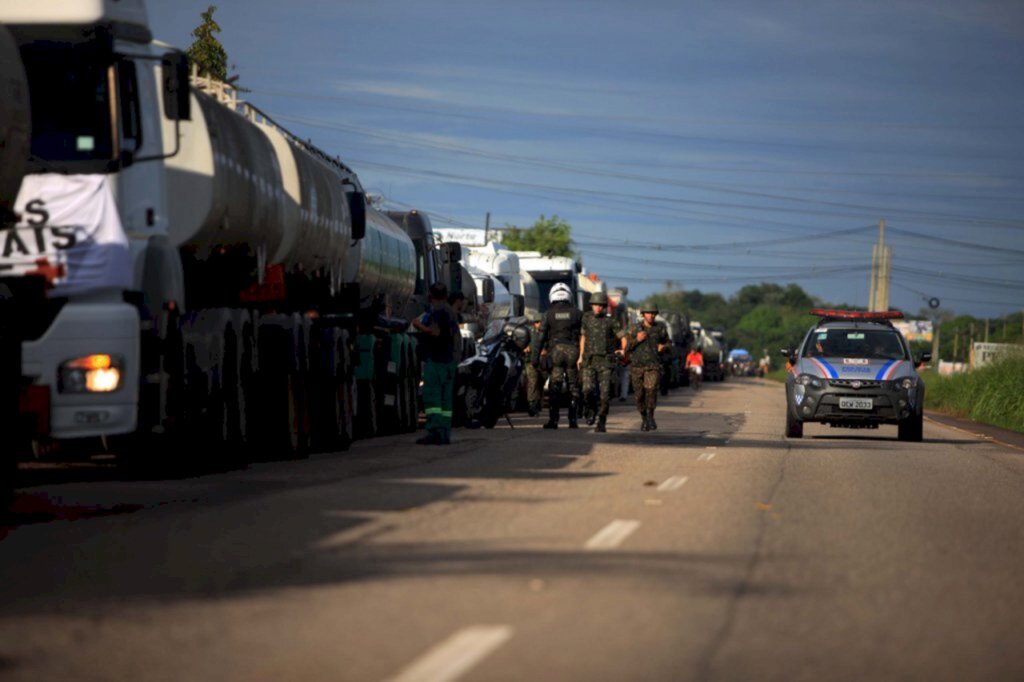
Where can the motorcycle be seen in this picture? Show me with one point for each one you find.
(696, 375)
(489, 381)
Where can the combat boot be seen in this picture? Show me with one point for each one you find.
(644, 424)
(651, 424)
(600, 425)
(572, 417)
(534, 409)
(552, 422)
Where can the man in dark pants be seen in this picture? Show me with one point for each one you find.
(560, 335)
(535, 376)
(644, 343)
(440, 334)
(601, 335)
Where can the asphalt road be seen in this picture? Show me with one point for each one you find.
(712, 549)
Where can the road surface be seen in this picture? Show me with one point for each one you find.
(711, 549)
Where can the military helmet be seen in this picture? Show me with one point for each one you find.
(534, 316)
(599, 298)
(650, 308)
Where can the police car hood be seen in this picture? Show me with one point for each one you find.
(855, 368)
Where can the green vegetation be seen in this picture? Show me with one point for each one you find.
(991, 395)
(206, 51)
(956, 334)
(546, 235)
(759, 317)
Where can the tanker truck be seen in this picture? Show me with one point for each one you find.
(14, 146)
(711, 349)
(202, 283)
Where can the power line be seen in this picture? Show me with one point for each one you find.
(545, 163)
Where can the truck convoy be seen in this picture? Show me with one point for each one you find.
(185, 266)
(178, 268)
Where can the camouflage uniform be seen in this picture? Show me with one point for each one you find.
(601, 339)
(535, 376)
(645, 368)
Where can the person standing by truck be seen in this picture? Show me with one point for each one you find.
(560, 336)
(644, 343)
(601, 334)
(440, 334)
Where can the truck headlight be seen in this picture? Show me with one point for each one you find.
(908, 383)
(91, 374)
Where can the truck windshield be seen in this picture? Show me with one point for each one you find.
(70, 90)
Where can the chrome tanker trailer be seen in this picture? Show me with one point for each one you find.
(711, 349)
(204, 277)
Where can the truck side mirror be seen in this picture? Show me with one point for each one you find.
(518, 305)
(451, 252)
(924, 357)
(177, 102)
(357, 210)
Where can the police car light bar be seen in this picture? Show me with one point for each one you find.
(857, 314)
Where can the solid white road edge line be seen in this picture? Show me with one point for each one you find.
(613, 534)
(456, 655)
(674, 483)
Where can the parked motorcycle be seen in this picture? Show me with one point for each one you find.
(489, 381)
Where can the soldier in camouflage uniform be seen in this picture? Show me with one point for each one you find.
(644, 343)
(535, 376)
(560, 336)
(600, 339)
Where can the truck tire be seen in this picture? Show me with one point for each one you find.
(282, 431)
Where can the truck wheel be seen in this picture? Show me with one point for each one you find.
(794, 427)
(911, 429)
(408, 398)
(282, 431)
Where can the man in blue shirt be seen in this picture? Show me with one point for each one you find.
(440, 332)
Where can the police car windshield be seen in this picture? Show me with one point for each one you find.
(855, 343)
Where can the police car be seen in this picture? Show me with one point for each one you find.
(854, 369)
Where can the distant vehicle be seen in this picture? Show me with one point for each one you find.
(854, 370)
(740, 363)
(709, 343)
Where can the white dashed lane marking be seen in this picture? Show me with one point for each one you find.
(706, 457)
(674, 483)
(612, 535)
(453, 657)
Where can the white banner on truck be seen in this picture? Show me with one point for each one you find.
(68, 230)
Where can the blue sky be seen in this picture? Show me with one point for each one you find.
(710, 144)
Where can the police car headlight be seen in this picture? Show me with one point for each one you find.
(908, 383)
(809, 380)
(91, 374)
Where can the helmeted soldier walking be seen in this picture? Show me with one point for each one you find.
(601, 337)
(535, 376)
(560, 336)
(644, 343)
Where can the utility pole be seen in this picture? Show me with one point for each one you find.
(487, 226)
(881, 272)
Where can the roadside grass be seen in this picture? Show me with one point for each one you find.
(777, 374)
(991, 395)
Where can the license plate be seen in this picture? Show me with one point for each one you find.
(856, 404)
